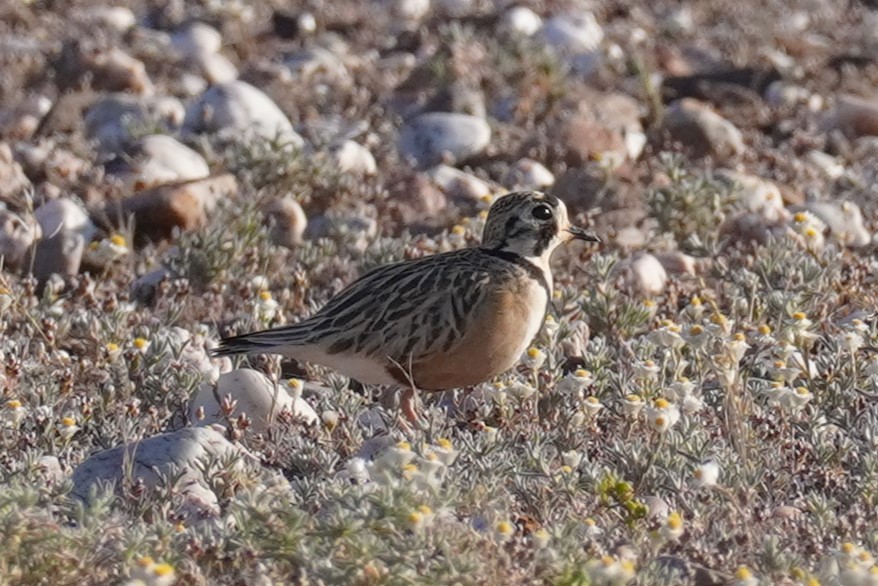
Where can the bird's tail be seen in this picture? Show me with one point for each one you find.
(274, 341)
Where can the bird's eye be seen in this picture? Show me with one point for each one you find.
(542, 212)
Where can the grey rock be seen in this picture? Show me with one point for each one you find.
(17, 236)
(63, 214)
(111, 119)
(429, 138)
(61, 254)
(701, 130)
(238, 111)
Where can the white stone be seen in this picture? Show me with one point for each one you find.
(64, 214)
(521, 20)
(756, 194)
(158, 159)
(215, 67)
(410, 12)
(830, 166)
(196, 39)
(845, 221)
(573, 33)
(184, 451)
(256, 396)
(237, 110)
(287, 221)
(116, 17)
(456, 183)
(430, 137)
(352, 157)
(529, 174)
(645, 274)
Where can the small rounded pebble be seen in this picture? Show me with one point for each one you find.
(459, 184)
(845, 222)
(287, 221)
(528, 174)
(60, 254)
(756, 194)
(429, 138)
(644, 274)
(111, 119)
(573, 33)
(701, 130)
(352, 157)
(521, 20)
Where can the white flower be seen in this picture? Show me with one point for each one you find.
(5, 299)
(265, 308)
(296, 386)
(67, 427)
(504, 531)
(592, 405)
(106, 251)
(695, 308)
(540, 538)
(744, 577)
(738, 346)
(12, 413)
(521, 391)
(706, 474)
(662, 415)
(793, 400)
(696, 336)
(632, 405)
(533, 358)
(673, 527)
(572, 458)
(668, 335)
(852, 340)
(551, 326)
(647, 369)
(575, 383)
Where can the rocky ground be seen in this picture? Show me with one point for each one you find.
(699, 409)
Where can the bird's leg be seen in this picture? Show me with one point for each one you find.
(408, 405)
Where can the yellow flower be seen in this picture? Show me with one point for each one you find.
(265, 295)
(661, 403)
(68, 421)
(458, 230)
(163, 570)
(14, 404)
(112, 347)
(800, 316)
(444, 443)
(141, 343)
(765, 329)
(404, 445)
(118, 240)
(800, 217)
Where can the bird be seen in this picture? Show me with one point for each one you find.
(446, 321)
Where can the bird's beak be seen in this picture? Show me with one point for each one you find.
(577, 233)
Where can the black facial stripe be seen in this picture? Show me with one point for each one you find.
(546, 235)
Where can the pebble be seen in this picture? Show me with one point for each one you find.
(159, 211)
(110, 119)
(854, 116)
(182, 451)
(108, 69)
(408, 14)
(417, 201)
(828, 165)
(118, 18)
(308, 62)
(255, 395)
(573, 33)
(17, 235)
(155, 160)
(60, 254)
(677, 263)
(747, 227)
(144, 288)
(845, 222)
(352, 157)
(13, 181)
(458, 184)
(287, 221)
(195, 39)
(429, 138)
(644, 274)
(64, 214)
(528, 174)
(236, 110)
(522, 21)
(701, 130)
(756, 194)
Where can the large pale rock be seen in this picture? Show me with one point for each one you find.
(844, 220)
(254, 395)
(64, 214)
(183, 451)
(155, 160)
(429, 138)
(755, 194)
(644, 274)
(237, 110)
